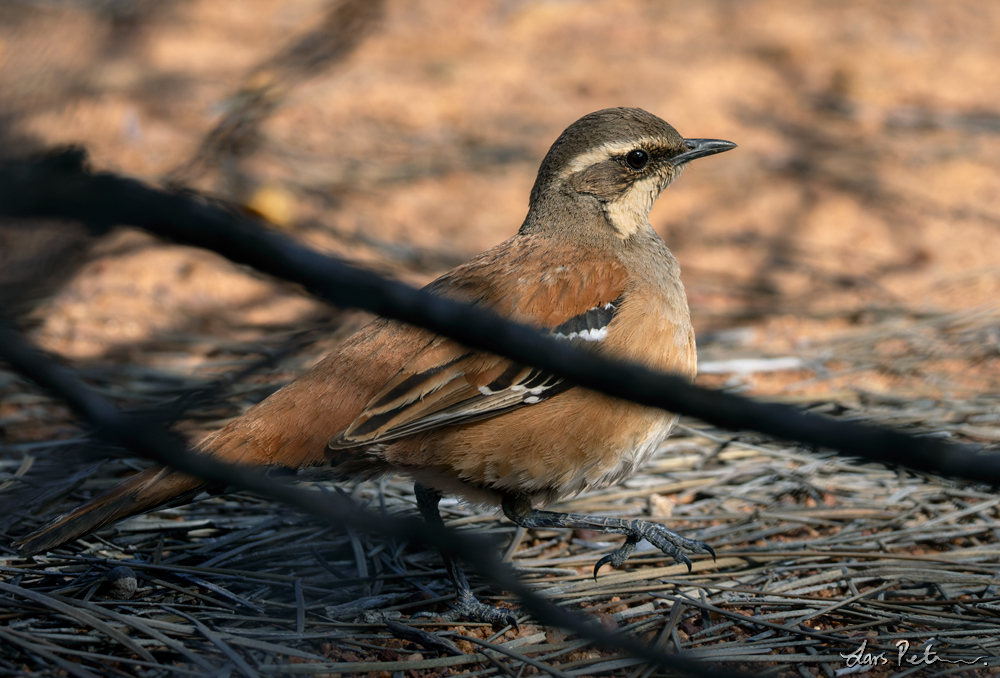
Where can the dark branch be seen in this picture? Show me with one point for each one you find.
(61, 187)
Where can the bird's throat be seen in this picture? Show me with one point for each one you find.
(630, 214)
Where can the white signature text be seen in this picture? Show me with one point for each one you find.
(903, 656)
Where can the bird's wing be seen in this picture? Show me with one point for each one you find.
(573, 297)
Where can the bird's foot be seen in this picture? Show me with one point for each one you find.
(669, 542)
(470, 608)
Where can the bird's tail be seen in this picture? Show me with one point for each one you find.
(142, 492)
(290, 429)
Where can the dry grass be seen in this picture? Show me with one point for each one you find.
(816, 554)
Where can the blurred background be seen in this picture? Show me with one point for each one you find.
(855, 230)
(843, 258)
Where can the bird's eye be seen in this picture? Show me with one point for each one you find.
(637, 159)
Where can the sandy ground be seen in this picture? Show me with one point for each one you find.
(865, 184)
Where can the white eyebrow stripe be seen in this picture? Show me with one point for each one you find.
(605, 151)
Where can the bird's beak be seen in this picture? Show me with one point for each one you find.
(700, 148)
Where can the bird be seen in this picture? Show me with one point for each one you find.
(585, 267)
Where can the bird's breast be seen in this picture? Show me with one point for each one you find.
(576, 440)
(653, 328)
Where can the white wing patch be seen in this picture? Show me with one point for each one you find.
(598, 334)
(591, 325)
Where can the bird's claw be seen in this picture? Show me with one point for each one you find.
(601, 563)
(618, 557)
(710, 550)
(670, 543)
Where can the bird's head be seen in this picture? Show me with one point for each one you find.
(618, 160)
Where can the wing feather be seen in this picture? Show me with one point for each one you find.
(444, 383)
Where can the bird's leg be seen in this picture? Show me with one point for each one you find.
(467, 605)
(518, 509)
